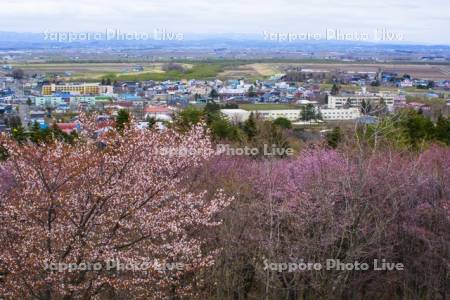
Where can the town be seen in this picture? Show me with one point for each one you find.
(305, 97)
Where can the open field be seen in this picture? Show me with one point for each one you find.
(375, 89)
(93, 71)
(249, 70)
(425, 71)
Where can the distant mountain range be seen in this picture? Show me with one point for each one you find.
(10, 41)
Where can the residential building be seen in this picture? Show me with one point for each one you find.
(356, 100)
(331, 114)
(290, 114)
(158, 113)
(240, 115)
(77, 89)
(84, 100)
(200, 89)
(69, 127)
(48, 101)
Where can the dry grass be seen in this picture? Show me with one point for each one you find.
(254, 70)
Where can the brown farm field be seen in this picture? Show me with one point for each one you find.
(425, 71)
(95, 71)
(261, 70)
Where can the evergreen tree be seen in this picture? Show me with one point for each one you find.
(122, 120)
(35, 133)
(282, 123)
(251, 92)
(188, 117)
(211, 112)
(151, 122)
(418, 128)
(334, 137)
(334, 89)
(308, 112)
(366, 107)
(250, 127)
(442, 130)
(214, 94)
(222, 129)
(3, 153)
(19, 134)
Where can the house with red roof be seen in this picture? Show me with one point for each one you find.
(69, 127)
(158, 113)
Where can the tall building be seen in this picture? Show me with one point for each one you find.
(77, 89)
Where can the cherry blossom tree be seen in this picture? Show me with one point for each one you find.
(115, 200)
(343, 205)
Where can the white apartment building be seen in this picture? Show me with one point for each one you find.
(76, 100)
(241, 115)
(328, 114)
(290, 114)
(48, 101)
(357, 100)
(338, 114)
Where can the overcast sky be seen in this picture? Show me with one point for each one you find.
(417, 21)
